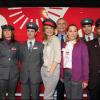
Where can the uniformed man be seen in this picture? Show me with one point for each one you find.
(9, 54)
(87, 29)
(32, 52)
(94, 64)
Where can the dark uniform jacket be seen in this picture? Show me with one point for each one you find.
(9, 53)
(31, 62)
(94, 62)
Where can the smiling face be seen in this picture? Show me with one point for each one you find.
(31, 33)
(72, 32)
(87, 29)
(7, 34)
(48, 30)
(61, 25)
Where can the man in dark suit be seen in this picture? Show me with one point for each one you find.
(94, 65)
(87, 29)
(9, 71)
(61, 33)
(31, 58)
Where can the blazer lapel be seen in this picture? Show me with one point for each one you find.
(35, 47)
(4, 43)
(96, 44)
(35, 44)
(25, 49)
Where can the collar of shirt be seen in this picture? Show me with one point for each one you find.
(64, 36)
(28, 42)
(71, 42)
(91, 35)
(8, 41)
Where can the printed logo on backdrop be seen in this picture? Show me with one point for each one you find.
(19, 16)
(26, 14)
(56, 12)
(36, 14)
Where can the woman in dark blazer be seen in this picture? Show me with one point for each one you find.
(9, 73)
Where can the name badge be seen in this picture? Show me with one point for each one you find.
(13, 49)
(35, 47)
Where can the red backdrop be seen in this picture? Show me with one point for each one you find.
(19, 16)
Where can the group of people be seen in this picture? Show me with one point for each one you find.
(64, 62)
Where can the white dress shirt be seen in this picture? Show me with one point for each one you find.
(67, 54)
(91, 36)
(64, 36)
(28, 42)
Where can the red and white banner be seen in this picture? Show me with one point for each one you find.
(19, 16)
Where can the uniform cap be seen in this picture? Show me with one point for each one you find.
(87, 21)
(97, 24)
(9, 27)
(32, 25)
(49, 22)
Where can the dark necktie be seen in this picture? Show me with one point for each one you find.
(62, 41)
(88, 38)
(30, 47)
(61, 65)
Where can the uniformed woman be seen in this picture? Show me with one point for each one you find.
(9, 73)
(50, 70)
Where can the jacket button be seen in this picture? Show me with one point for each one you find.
(9, 50)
